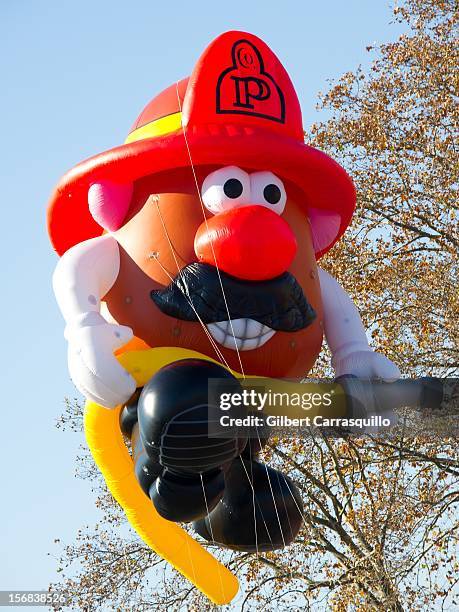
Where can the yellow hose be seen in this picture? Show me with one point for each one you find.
(109, 451)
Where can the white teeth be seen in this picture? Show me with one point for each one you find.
(217, 333)
(255, 329)
(237, 326)
(240, 334)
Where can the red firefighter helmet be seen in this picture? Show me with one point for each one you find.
(239, 107)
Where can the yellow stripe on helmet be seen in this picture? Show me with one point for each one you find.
(159, 127)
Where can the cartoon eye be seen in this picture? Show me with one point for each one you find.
(268, 190)
(226, 188)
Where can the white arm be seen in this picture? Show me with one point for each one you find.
(346, 337)
(82, 278)
(84, 275)
(343, 327)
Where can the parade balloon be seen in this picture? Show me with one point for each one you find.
(189, 254)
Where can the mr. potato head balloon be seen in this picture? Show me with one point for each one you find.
(203, 231)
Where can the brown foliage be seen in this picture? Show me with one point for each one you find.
(395, 130)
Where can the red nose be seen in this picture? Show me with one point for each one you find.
(251, 242)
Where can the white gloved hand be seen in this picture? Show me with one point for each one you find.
(365, 363)
(93, 367)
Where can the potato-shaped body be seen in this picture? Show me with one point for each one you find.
(157, 241)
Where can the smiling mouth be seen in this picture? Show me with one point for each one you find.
(240, 334)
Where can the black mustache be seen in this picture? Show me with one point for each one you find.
(278, 303)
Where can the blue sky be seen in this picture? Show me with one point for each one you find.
(74, 76)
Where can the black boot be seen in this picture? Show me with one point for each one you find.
(186, 498)
(178, 463)
(177, 497)
(278, 510)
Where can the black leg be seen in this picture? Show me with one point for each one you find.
(128, 415)
(179, 463)
(278, 510)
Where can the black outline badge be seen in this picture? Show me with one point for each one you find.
(242, 96)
